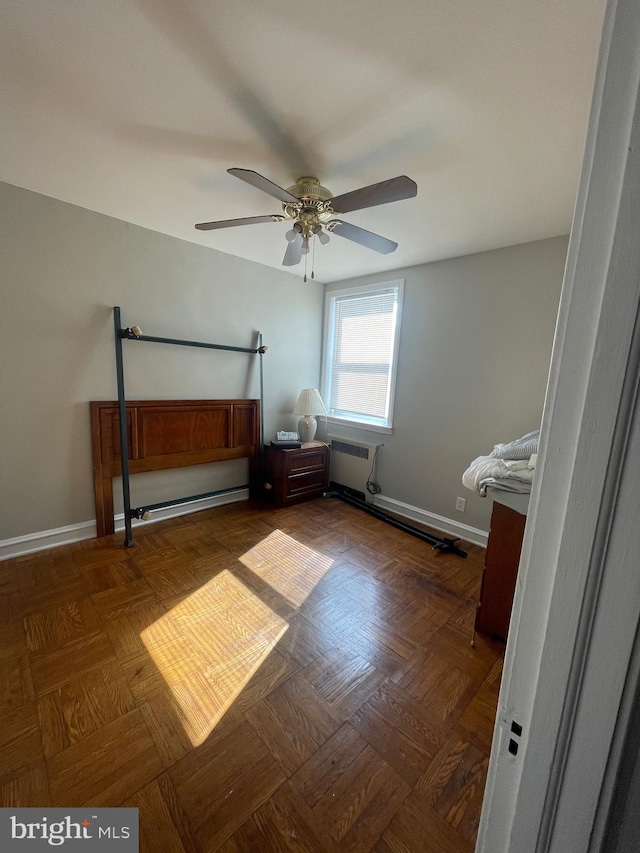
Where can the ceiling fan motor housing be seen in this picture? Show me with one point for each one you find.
(312, 197)
(309, 189)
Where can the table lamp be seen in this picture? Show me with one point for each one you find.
(309, 403)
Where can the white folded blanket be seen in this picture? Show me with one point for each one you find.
(510, 466)
(490, 467)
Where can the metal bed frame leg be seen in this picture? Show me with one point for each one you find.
(122, 421)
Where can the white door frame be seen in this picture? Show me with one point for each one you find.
(577, 600)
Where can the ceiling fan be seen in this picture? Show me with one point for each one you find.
(310, 207)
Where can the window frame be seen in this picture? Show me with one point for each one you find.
(328, 338)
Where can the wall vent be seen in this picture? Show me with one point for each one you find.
(359, 450)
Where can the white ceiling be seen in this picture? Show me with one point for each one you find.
(136, 108)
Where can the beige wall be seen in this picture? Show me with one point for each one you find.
(474, 352)
(475, 346)
(62, 269)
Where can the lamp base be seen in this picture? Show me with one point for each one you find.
(307, 426)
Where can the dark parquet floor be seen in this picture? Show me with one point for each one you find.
(253, 680)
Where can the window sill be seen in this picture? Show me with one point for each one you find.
(360, 425)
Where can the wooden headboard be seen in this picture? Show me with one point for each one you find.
(169, 434)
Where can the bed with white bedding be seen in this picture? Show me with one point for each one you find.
(509, 467)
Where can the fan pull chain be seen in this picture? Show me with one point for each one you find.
(305, 268)
(313, 258)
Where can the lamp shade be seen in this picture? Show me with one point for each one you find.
(309, 402)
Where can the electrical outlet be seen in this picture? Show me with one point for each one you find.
(461, 504)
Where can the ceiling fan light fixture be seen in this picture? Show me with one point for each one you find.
(293, 232)
(323, 237)
(305, 245)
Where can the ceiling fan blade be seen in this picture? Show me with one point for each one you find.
(395, 189)
(263, 184)
(293, 255)
(231, 223)
(361, 236)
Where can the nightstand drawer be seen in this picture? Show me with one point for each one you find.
(306, 460)
(304, 484)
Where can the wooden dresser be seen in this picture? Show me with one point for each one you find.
(501, 566)
(297, 474)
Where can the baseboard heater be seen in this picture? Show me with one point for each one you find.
(351, 464)
(357, 499)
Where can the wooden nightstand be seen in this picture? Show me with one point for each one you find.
(298, 474)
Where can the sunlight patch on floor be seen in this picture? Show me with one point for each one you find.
(292, 569)
(208, 647)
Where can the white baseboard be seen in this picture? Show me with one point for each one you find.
(439, 522)
(45, 539)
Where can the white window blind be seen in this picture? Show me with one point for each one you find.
(360, 353)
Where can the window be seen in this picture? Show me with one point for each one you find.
(360, 352)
